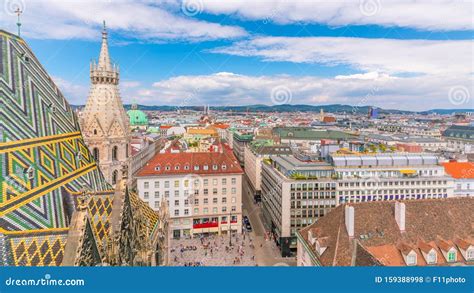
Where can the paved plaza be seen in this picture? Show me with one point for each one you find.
(213, 250)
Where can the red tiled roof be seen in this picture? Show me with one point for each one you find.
(177, 162)
(450, 221)
(165, 126)
(460, 170)
(221, 126)
(463, 244)
(425, 247)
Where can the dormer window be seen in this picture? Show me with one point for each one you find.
(205, 167)
(432, 257)
(186, 167)
(176, 167)
(157, 168)
(196, 167)
(320, 247)
(452, 255)
(224, 167)
(470, 254)
(168, 167)
(214, 167)
(411, 258)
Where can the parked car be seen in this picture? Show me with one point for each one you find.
(248, 227)
(246, 220)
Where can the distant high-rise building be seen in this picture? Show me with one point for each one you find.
(104, 122)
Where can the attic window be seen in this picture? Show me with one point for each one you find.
(411, 259)
(157, 168)
(214, 167)
(470, 254)
(431, 257)
(196, 167)
(176, 167)
(224, 167)
(186, 167)
(168, 167)
(452, 256)
(206, 167)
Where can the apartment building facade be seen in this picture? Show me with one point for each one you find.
(296, 194)
(239, 141)
(203, 191)
(290, 201)
(255, 152)
(391, 176)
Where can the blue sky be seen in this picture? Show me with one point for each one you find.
(392, 54)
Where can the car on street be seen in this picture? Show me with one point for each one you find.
(248, 227)
(246, 220)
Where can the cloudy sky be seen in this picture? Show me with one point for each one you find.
(403, 54)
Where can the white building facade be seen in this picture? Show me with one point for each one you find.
(203, 191)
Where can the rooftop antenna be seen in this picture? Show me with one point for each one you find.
(18, 12)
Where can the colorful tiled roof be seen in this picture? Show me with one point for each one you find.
(35, 247)
(42, 152)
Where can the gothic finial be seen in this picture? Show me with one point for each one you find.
(124, 171)
(104, 59)
(83, 200)
(18, 12)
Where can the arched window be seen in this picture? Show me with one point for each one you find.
(114, 177)
(95, 131)
(126, 150)
(95, 153)
(114, 153)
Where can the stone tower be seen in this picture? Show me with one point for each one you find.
(104, 122)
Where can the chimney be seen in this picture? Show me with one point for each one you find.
(400, 215)
(349, 214)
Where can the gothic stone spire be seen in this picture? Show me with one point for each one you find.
(104, 122)
(104, 58)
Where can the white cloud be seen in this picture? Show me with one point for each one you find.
(409, 93)
(147, 20)
(374, 75)
(76, 94)
(129, 84)
(442, 15)
(384, 55)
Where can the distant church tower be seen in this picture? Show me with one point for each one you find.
(104, 122)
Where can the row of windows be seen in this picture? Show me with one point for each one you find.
(215, 210)
(177, 193)
(187, 167)
(215, 200)
(388, 197)
(385, 173)
(312, 203)
(432, 257)
(309, 195)
(396, 191)
(197, 182)
(156, 204)
(311, 213)
(313, 186)
(233, 219)
(391, 183)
